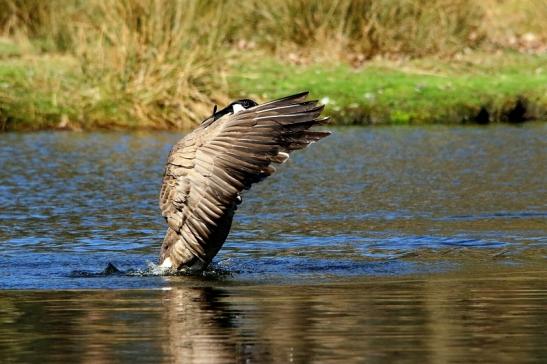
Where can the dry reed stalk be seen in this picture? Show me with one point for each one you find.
(161, 63)
(153, 53)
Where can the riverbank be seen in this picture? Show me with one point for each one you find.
(52, 92)
(472, 88)
(153, 64)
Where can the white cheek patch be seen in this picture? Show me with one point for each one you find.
(237, 108)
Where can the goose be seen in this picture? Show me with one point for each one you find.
(209, 168)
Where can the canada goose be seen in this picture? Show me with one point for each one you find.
(208, 169)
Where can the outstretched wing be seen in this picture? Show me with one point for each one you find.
(207, 170)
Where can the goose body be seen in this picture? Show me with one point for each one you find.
(208, 169)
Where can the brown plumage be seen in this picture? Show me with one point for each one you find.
(208, 169)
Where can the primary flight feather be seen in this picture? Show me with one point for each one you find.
(208, 169)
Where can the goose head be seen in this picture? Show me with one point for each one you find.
(234, 108)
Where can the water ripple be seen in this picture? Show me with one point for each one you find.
(365, 202)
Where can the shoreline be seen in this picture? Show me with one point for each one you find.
(44, 92)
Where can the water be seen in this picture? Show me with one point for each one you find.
(374, 245)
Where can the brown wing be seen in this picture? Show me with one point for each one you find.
(207, 170)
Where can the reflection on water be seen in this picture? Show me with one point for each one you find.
(497, 318)
(376, 245)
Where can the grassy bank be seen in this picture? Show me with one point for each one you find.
(164, 63)
(477, 88)
(41, 92)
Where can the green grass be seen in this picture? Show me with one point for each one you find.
(422, 91)
(164, 63)
(43, 92)
(40, 91)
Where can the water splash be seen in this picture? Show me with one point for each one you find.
(152, 270)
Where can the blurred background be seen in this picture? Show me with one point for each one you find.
(164, 64)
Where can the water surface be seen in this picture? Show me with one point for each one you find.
(376, 244)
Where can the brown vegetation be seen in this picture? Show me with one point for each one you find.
(162, 63)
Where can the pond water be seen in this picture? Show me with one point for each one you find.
(374, 245)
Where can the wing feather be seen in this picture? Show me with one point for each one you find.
(209, 168)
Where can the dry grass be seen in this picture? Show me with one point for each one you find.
(519, 24)
(163, 63)
(154, 56)
(364, 29)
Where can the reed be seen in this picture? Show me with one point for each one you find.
(342, 28)
(155, 58)
(164, 63)
(518, 24)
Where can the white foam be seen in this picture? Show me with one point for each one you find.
(167, 263)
